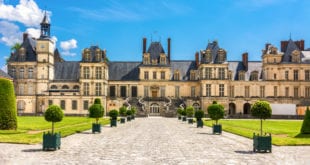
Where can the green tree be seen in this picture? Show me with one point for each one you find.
(113, 114)
(96, 110)
(122, 111)
(305, 128)
(216, 111)
(53, 114)
(199, 114)
(261, 110)
(190, 111)
(8, 114)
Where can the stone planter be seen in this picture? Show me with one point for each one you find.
(199, 123)
(184, 118)
(132, 117)
(128, 118)
(96, 128)
(113, 123)
(190, 120)
(217, 129)
(179, 118)
(262, 143)
(51, 141)
(123, 120)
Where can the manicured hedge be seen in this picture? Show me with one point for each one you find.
(305, 129)
(8, 114)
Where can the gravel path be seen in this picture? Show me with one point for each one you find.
(153, 140)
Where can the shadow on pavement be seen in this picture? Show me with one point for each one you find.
(205, 133)
(33, 150)
(244, 152)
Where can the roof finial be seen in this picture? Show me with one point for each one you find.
(290, 36)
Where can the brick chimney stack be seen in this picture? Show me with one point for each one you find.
(300, 44)
(144, 45)
(245, 60)
(169, 40)
(284, 45)
(197, 59)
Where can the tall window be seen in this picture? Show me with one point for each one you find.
(30, 72)
(241, 75)
(123, 91)
(295, 75)
(21, 105)
(63, 104)
(134, 91)
(86, 89)
(112, 91)
(231, 91)
(74, 105)
(192, 75)
(307, 92)
(50, 102)
(163, 60)
(13, 72)
(274, 76)
(229, 75)
(208, 90)
(103, 74)
(262, 91)
(307, 75)
(177, 91)
(222, 73)
(21, 89)
(176, 75)
(287, 92)
(85, 104)
(162, 75)
(221, 89)
(146, 75)
(254, 76)
(98, 73)
(208, 73)
(193, 91)
(286, 75)
(154, 75)
(98, 89)
(146, 91)
(296, 93)
(30, 89)
(275, 91)
(86, 72)
(21, 73)
(162, 91)
(247, 91)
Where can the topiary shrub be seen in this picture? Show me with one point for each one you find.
(122, 111)
(53, 114)
(96, 111)
(97, 101)
(113, 114)
(199, 114)
(179, 111)
(129, 112)
(261, 110)
(183, 113)
(8, 114)
(133, 110)
(190, 111)
(305, 128)
(216, 112)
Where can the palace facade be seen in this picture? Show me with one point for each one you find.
(156, 85)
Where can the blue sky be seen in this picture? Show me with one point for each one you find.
(119, 25)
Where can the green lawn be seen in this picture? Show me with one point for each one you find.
(30, 129)
(284, 132)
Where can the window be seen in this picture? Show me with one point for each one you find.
(221, 89)
(21, 89)
(154, 75)
(13, 72)
(229, 75)
(21, 73)
(86, 89)
(274, 76)
(63, 104)
(176, 75)
(286, 75)
(208, 73)
(177, 91)
(65, 87)
(74, 105)
(112, 91)
(123, 91)
(85, 104)
(262, 91)
(30, 72)
(193, 91)
(287, 91)
(53, 87)
(231, 91)
(241, 75)
(87, 56)
(162, 91)
(307, 75)
(162, 59)
(222, 73)
(30, 89)
(208, 90)
(296, 93)
(275, 91)
(98, 89)
(21, 105)
(146, 75)
(86, 73)
(134, 91)
(254, 76)
(196, 106)
(247, 91)
(295, 75)
(146, 91)
(192, 75)
(146, 59)
(307, 92)
(162, 75)
(50, 102)
(103, 73)
(98, 73)
(76, 87)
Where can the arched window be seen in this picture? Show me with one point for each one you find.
(241, 75)
(65, 87)
(13, 72)
(254, 76)
(53, 87)
(295, 56)
(76, 87)
(154, 109)
(221, 56)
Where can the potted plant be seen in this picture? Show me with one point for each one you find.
(133, 113)
(183, 113)
(189, 114)
(113, 117)
(122, 112)
(129, 113)
(96, 111)
(261, 110)
(51, 140)
(199, 114)
(179, 112)
(216, 112)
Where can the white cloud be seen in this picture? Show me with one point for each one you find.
(26, 12)
(33, 32)
(4, 68)
(67, 46)
(9, 33)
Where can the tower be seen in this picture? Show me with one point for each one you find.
(45, 27)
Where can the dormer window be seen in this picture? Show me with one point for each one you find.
(163, 59)
(221, 55)
(13, 72)
(295, 56)
(192, 75)
(98, 55)
(241, 75)
(146, 59)
(176, 75)
(208, 56)
(86, 55)
(254, 76)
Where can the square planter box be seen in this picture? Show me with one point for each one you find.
(113, 123)
(132, 117)
(184, 118)
(123, 120)
(51, 141)
(96, 128)
(199, 123)
(217, 129)
(128, 118)
(179, 117)
(262, 143)
(190, 120)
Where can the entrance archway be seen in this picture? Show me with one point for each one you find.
(154, 110)
(246, 108)
(232, 109)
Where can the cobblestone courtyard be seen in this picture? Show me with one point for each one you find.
(153, 140)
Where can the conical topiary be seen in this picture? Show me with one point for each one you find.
(305, 128)
(8, 115)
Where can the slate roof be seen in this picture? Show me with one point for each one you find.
(155, 49)
(124, 70)
(213, 46)
(236, 66)
(29, 44)
(67, 71)
(184, 67)
(291, 46)
(5, 75)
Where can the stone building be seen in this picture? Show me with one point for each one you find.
(156, 85)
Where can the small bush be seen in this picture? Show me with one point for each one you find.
(113, 114)
(53, 114)
(122, 111)
(8, 115)
(214, 102)
(216, 112)
(129, 112)
(261, 110)
(305, 128)
(179, 111)
(190, 111)
(133, 110)
(199, 114)
(96, 111)
(97, 101)
(183, 113)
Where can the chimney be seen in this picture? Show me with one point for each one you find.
(169, 40)
(144, 45)
(245, 60)
(283, 45)
(25, 36)
(300, 44)
(197, 59)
